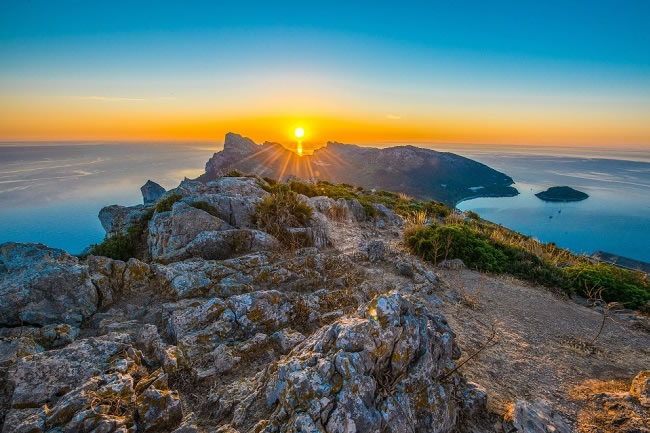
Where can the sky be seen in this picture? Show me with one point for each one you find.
(552, 73)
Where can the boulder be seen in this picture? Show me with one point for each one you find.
(95, 386)
(45, 376)
(238, 186)
(115, 278)
(173, 230)
(219, 245)
(538, 417)
(42, 286)
(356, 210)
(151, 192)
(386, 217)
(117, 219)
(235, 210)
(376, 250)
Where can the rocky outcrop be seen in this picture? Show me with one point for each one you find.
(91, 385)
(423, 173)
(43, 286)
(117, 219)
(222, 321)
(173, 230)
(151, 192)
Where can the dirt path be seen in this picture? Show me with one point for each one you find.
(540, 341)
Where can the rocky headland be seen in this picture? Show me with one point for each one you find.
(423, 173)
(220, 318)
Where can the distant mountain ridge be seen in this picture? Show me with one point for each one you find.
(423, 173)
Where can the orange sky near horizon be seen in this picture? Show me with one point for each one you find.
(121, 121)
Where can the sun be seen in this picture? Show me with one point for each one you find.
(299, 132)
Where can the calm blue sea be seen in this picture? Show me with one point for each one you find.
(53, 193)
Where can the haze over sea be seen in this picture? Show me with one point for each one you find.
(52, 192)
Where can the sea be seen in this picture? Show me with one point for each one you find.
(52, 192)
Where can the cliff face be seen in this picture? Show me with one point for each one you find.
(423, 173)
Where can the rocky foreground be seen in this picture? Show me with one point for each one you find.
(218, 326)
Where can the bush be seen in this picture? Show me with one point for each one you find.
(456, 241)
(233, 173)
(165, 204)
(303, 188)
(619, 285)
(473, 215)
(117, 247)
(281, 210)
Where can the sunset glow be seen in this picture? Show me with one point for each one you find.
(362, 81)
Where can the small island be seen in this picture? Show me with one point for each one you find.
(562, 193)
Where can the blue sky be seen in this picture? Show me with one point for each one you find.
(453, 61)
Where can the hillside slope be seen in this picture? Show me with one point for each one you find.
(423, 173)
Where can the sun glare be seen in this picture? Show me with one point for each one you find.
(299, 132)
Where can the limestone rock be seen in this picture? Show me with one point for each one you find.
(367, 372)
(538, 417)
(173, 230)
(219, 245)
(386, 217)
(117, 219)
(235, 210)
(151, 192)
(43, 286)
(376, 250)
(41, 378)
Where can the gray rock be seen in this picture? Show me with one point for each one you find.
(376, 250)
(171, 231)
(454, 264)
(235, 210)
(151, 192)
(238, 186)
(356, 210)
(538, 417)
(219, 245)
(287, 339)
(43, 286)
(368, 372)
(117, 219)
(386, 217)
(404, 269)
(41, 378)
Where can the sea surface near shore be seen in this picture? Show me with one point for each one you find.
(615, 218)
(51, 192)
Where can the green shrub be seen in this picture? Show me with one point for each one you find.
(281, 210)
(117, 247)
(630, 288)
(456, 241)
(303, 188)
(233, 173)
(207, 207)
(473, 215)
(165, 204)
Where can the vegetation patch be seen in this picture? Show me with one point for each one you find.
(486, 247)
(165, 204)
(281, 210)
